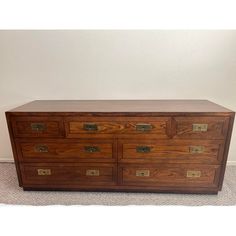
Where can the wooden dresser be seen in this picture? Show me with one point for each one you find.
(176, 146)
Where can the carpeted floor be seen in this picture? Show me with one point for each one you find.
(11, 193)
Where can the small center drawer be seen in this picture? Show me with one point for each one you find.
(67, 150)
(30, 126)
(171, 151)
(71, 174)
(171, 175)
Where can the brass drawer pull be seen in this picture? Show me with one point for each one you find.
(90, 127)
(41, 148)
(91, 149)
(196, 149)
(143, 149)
(44, 171)
(92, 172)
(200, 127)
(144, 173)
(193, 173)
(38, 126)
(143, 127)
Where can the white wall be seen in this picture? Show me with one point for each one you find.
(116, 65)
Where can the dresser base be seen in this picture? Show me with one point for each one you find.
(129, 189)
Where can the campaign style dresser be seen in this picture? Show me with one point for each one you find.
(178, 146)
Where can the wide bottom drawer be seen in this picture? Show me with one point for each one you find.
(69, 174)
(169, 175)
(182, 178)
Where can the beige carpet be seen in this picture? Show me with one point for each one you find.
(10, 193)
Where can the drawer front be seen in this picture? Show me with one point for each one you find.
(71, 174)
(90, 127)
(201, 127)
(37, 127)
(172, 151)
(170, 175)
(89, 151)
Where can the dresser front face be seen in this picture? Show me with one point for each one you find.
(161, 153)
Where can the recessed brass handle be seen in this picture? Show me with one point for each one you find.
(196, 149)
(92, 172)
(44, 171)
(38, 126)
(141, 173)
(143, 149)
(90, 127)
(91, 149)
(193, 174)
(41, 148)
(200, 127)
(143, 127)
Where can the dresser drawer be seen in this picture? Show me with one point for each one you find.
(66, 150)
(171, 151)
(103, 126)
(201, 127)
(171, 175)
(71, 174)
(30, 126)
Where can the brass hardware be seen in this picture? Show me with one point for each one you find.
(38, 126)
(196, 149)
(91, 149)
(143, 127)
(143, 149)
(44, 171)
(92, 172)
(143, 173)
(200, 127)
(90, 127)
(193, 173)
(41, 148)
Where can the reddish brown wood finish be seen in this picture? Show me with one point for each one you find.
(61, 150)
(126, 106)
(56, 157)
(117, 126)
(171, 151)
(226, 150)
(72, 174)
(22, 126)
(217, 127)
(172, 175)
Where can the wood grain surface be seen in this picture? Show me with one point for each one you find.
(148, 145)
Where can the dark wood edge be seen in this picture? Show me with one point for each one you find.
(122, 189)
(14, 150)
(115, 153)
(124, 114)
(169, 127)
(217, 177)
(226, 150)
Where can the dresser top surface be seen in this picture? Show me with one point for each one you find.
(120, 106)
